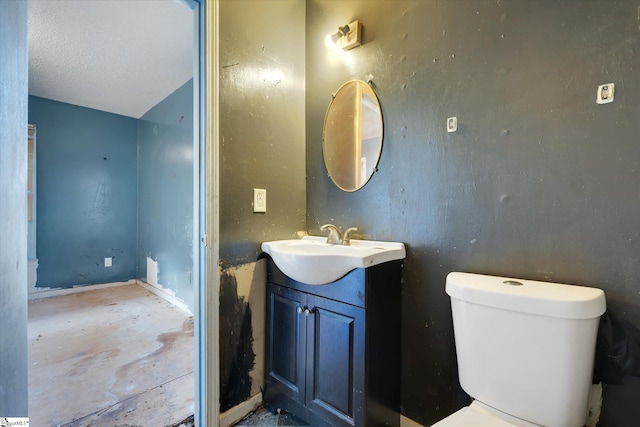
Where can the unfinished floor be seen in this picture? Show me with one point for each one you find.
(262, 417)
(118, 356)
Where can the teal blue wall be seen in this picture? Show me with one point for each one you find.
(165, 192)
(13, 209)
(108, 182)
(86, 201)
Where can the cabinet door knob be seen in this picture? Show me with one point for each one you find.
(299, 310)
(308, 311)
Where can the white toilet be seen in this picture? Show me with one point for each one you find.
(525, 350)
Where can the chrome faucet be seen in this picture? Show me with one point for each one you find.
(346, 238)
(335, 238)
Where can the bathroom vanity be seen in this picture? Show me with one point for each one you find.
(333, 350)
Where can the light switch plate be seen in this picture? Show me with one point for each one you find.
(108, 261)
(605, 93)
(259, 200)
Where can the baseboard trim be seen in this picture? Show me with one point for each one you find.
(238, 412)
(166, 295)
(54, 292)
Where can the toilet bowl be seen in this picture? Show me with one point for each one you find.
(525, 350)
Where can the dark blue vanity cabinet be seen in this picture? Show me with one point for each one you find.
(333, 351)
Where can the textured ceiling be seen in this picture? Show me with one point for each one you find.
(117, 56)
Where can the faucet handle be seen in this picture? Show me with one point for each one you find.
(334, 237)
(346, 239)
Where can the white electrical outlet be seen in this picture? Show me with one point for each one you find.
(259, 200)
(108, 261)
(452, 124)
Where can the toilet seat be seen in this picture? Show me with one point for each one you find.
(472, 416)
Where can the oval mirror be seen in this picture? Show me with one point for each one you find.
(352, 135)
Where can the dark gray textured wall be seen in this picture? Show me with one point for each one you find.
(13, 209)
(539, 182)
(262, 145)
(261, 124)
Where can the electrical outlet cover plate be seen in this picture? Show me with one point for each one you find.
(452, 124)
(605, 93)
(259, 200)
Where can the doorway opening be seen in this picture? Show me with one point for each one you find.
(89, 212)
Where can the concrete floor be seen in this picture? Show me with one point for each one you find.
(111, 357)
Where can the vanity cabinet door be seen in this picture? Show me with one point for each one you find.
(332, 354)
(285, 355)
(335, 361)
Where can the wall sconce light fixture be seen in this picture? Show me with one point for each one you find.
(347, 37)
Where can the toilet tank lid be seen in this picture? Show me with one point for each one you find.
(541, 298)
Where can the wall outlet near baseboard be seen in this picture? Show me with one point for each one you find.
(259, 200)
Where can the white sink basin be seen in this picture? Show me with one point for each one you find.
(313, 261)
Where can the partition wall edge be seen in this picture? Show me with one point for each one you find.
(209, 336)
(206, 402)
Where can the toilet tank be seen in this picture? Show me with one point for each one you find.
(524, 347)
